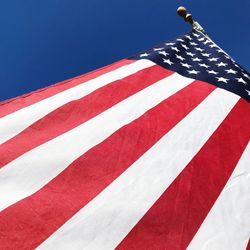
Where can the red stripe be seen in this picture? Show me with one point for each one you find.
(248, 245)
(59, 121)
(12, 105)
(174, 219)
(29, 222)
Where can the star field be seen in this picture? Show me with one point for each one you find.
(194, 55)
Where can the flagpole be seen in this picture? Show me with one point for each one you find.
(182, 11)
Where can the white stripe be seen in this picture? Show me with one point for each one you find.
(31, 171)
(16, 122)
(227, 226)
(108, 218)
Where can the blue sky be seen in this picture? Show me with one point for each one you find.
(43, 42)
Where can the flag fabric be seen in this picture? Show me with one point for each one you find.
(151, 152)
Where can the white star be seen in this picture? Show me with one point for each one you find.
(222, 79)
(167, 61)
(241, 80)
(213, 45)
(158, 49)
(169, 44)
(221, 64)
(212, 72)
(163, 53)
(201, 39)
(145, 54)
(193, 72)
(174, 48)
(199, 49)
(237, 66)
(186, 65)
(206, 42)
(196, 59)
(196, 35)
(189, 37)
(230, 71)
(193, 43)
(206, 54)
(204, 65)
(180, 40)
(190, 53)
(246, 75)
(248, 92)
(180, 57)
(220, 51)
(184, 46)
(213, 59)
(228, 57)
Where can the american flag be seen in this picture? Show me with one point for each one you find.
(151, 152)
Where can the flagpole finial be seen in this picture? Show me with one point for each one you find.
(182, 11)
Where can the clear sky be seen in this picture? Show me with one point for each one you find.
(47, 41)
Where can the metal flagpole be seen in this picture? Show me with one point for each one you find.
(182, 11)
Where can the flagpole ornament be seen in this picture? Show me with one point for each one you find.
(182, 11)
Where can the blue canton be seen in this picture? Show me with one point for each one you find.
(193, 55)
